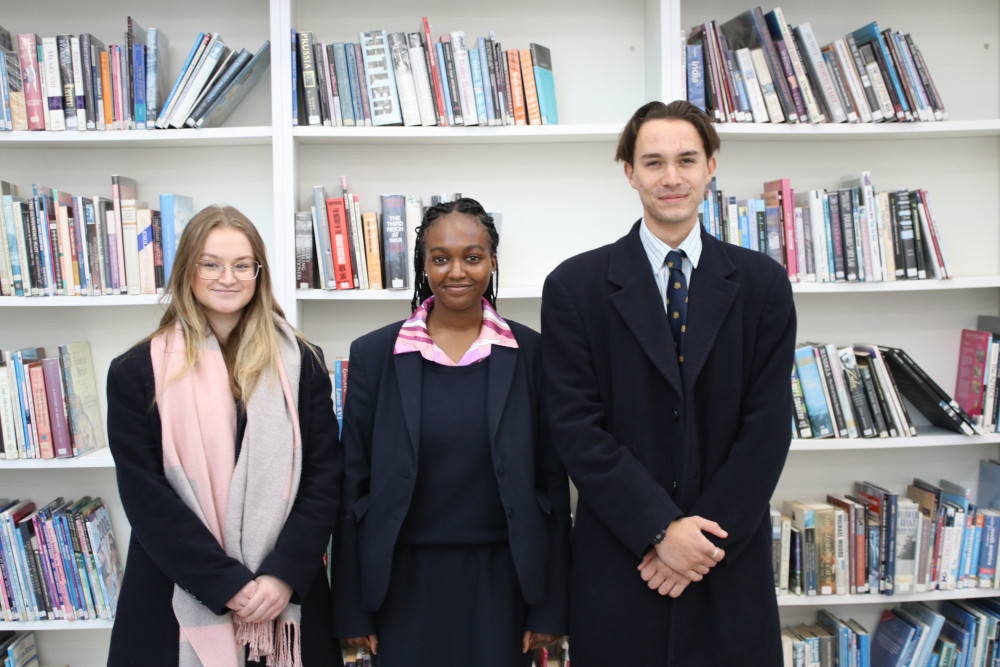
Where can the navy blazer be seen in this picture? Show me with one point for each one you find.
(381, 437)
(169, 544)
(646, 444)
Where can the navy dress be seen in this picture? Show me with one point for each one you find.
(453, 595)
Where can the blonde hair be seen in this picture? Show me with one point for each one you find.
(252, 346)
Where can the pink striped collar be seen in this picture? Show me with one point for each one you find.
(413, 337)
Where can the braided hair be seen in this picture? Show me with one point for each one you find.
(421, 286)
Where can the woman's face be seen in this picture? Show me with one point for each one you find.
(224, 298)
(458, 261)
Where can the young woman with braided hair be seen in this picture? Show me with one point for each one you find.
(452, 547)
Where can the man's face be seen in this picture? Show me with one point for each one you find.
(670, 171)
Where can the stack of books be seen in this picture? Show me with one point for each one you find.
(59, 562)
(56, 243)
(758, 68)
(828, 641)
(18, 649)
(397, 78)
(960, 632)
(75, 82)
(845, 234)
(49, 405)
(858, 391)
(878, 541)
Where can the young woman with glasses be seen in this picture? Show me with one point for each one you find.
(225, 444)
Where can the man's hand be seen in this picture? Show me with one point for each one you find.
(687, 551)
(660, 577)
(269, 599)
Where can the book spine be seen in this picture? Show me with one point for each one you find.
(65, 59)
(56, 120)
(308, 78)
(394, 241)
(380, 79)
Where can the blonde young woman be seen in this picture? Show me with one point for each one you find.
(225, 446)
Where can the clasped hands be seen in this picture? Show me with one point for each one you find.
(529, 642)
(261, 599)
(685, 555)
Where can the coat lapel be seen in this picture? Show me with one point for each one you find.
(409, 376)
(638, 302)
(711, 297)
(502, 361)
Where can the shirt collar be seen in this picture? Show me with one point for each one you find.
(656, 249)
(413, 337)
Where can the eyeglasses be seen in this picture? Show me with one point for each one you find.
(241, 270)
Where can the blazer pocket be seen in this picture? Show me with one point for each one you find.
(360, 508)
(544, 503)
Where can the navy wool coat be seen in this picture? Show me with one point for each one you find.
(381, 437)
(169, 544)
(646, 444)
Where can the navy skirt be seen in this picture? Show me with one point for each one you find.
(452, 605)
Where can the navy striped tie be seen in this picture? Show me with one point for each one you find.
(677, 299)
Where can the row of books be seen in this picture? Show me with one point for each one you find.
(979, 373)
(864, 391)
(877, 541)
(397, 78)
(18, 649)
(959, 633)
(57, 243)
(757, 67)
(59, 562)
(49, 406)
(828, 641)
(75, 82)
(339, 245)
(846, 234)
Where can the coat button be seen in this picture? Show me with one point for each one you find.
(501, 471)
(677, 414)
(510, 512)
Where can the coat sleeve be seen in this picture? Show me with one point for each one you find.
(619, 489)
(298, 552)
(169, 532)
(349, 618)
(551, 615)
(743, 484)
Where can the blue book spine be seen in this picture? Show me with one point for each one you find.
(977, 539)
(344, 84)
(338, 392)
(696, 76)
(445, 88)
(12, 578)
(484, 65)
(352, 72)
(295, 78)
(813, 392)
(6, 119)
(15, 259)
(477, 86)
(743, 218)
(988, 550)
(69, 565)
(545, 85)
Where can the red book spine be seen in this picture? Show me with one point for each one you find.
(61, 440)
(340, 242)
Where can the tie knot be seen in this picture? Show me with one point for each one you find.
(675, 259)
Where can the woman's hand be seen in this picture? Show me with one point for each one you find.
(532, 640)
(269, 600)
(241, 599)
(369, 642)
